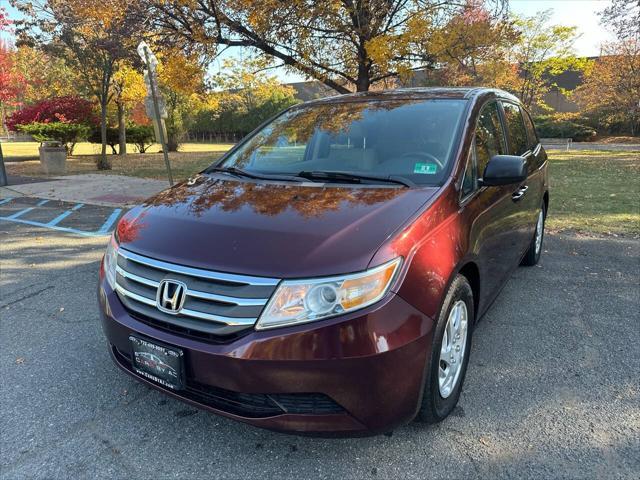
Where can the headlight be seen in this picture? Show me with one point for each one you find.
(302, 301)
(110, 262)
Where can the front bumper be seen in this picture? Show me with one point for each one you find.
(362, 372)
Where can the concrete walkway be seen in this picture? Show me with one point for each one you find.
(95, 189)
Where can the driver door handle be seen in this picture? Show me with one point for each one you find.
(518, 194)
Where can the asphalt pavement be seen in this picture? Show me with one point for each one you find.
(552, 390)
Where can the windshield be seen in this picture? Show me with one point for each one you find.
(408, 139)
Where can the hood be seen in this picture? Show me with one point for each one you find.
(281, 230)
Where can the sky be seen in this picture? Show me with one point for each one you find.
(580, 13)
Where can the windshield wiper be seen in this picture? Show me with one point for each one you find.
(354, 177)
(239, 172)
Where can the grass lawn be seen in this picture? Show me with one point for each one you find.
(147, 165)
(595, 192)
(29, 150)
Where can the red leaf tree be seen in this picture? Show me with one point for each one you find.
(10, 80)
(60, 109)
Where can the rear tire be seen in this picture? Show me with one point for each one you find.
(532, 257)
(447, 366)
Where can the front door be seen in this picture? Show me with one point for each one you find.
(492, 211)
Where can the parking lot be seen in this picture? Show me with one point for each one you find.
(69, 217)
(552, 388)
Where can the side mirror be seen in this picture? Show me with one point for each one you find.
(504, 170)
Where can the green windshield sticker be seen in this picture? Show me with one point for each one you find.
(425, 168)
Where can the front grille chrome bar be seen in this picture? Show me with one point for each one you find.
(197, 272)
(190, 313)
(135, 296)
(245, 302)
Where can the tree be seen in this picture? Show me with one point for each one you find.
(93, 36)
(245, 82)
(47, 75)
(10, 79)
(63, 109)
(472, 49)
(5, 23)
(65, 119)
(11, 82)
(181, 80)
(129, 88)
(611, 89)
(542, 52)
(610, 92)
(623, 17)
(347, 45)
(248, 96)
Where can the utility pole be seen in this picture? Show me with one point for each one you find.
(150, 61)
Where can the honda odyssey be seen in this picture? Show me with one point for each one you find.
(326, 274)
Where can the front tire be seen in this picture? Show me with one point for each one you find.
(450, 353)
(532, 257)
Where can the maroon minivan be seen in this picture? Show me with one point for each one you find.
(326, 274)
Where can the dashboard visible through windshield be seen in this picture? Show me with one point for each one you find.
(409, 140)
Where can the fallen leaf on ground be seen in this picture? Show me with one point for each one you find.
(20, 360)
(485, 441)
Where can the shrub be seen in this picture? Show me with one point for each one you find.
(66, 133)
(112, 137)
(55, 110)
(564, 126)
(140, 135)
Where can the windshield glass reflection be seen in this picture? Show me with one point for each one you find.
(413, 139)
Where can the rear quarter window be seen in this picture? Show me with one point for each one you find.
(517, 133)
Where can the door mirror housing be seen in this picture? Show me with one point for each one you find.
(504, 170)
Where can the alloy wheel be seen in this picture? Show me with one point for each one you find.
(539, 231)
(453, 348)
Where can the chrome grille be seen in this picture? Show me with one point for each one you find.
(216, 303)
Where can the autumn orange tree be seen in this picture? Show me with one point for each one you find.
(11, 80)
(472, 48)
(93, 36)
(182, 84)
(129, 89)
(610, 93)
(345, 44)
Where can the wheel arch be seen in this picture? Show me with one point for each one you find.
(471, 272)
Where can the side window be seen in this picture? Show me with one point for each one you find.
(489, 139)
(469, 181)
(518, 141)
(531, 131)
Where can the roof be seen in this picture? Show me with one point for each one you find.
(421, 93)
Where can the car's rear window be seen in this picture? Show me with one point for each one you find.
(414, 139)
